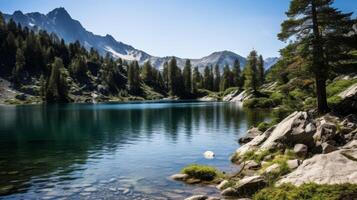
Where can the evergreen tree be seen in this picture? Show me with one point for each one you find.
(251, 79)
(187, 72)
(315, 27)
(260, 70)
(195, 80)
(19, 66)
(165, 74)
(133, 78)
(236, 74)
(57, 88)
(227, 79)
(172, 77)
(147, 74)
(217, 78)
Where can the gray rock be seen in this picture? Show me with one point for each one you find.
(251, 164)
(294, 129)
(250, 135)
(268, 157)
(325, 131)
(300, 150)
(179, 177)
(197, 197)
(293, 164)
(213, 198)
(245, 187)
(255, 143)
(336, 167)
(229, 192)
(273, 168)
(328, 148)
(222, 184)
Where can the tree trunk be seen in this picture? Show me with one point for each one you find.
(318, 64)
(322, 106)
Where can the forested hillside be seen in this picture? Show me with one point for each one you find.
(42, 67)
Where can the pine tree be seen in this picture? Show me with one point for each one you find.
(187, 73)
(147, 74)
(165, 74)
(57, 88)
(237, 74)
(195, 80)
(260, 70)
(251, 79)
(321, 34)
(217, 78)
(133, 78)
(19, 66)
(227, 79)
(172, 77)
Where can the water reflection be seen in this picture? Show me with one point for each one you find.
(47, 146)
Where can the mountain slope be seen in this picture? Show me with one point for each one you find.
(58, 21)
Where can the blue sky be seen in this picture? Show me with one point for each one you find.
(185, 28)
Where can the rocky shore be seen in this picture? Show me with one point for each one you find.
(304, 148)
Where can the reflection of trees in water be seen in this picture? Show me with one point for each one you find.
(38, 140)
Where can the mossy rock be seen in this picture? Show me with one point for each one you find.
(202, 172)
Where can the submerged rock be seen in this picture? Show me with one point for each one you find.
(197, 197)
(336, 167)
(179, 177)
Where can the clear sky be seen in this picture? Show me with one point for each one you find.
(184, 28)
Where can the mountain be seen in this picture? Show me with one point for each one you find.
(60, 22)
(270, 61)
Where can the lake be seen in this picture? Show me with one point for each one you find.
(115, 150)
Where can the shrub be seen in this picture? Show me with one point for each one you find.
(230, 90)
(263, 126)
(277, 97)
(308, 191)
(201, 172)
(280, 113)
(334, 100)
(262, 102)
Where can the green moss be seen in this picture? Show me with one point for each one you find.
(257, 156)
(230, 90)
(334, 100)
(202, 172)
(307, 191)
(339, 86)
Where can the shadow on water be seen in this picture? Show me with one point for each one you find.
(44, 146)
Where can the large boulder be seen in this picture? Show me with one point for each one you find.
(255, 143)
(250, 135)
(231, 95)
(242, 96)
(349, 101)
(298, 127)
(336, 167)
(300, 150)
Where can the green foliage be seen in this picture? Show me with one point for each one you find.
(257, 156)
(57, 87)
(261, 102)
(251, 81)
(263, 126)
(230, 90)
(336, 87)
(202, 172)
(308, 191)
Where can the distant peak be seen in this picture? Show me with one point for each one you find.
(18, 13)
(61, 11)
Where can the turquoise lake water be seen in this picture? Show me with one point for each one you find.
(115, 150)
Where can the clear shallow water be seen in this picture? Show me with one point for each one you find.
(111, 151)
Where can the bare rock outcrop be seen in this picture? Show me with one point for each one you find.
(337, 167)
